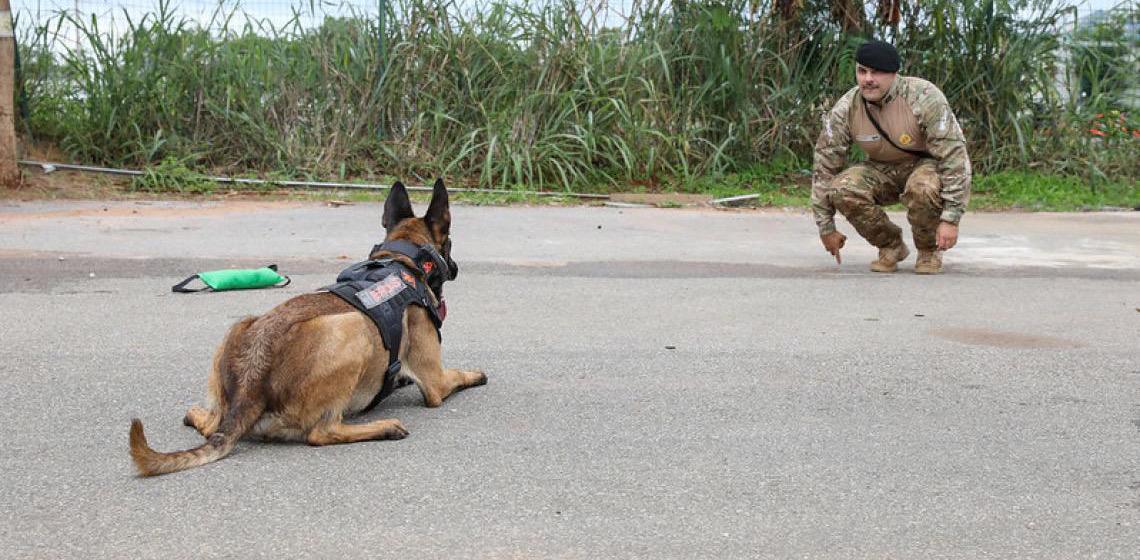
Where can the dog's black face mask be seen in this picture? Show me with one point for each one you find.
(436, 265)
(438, 268)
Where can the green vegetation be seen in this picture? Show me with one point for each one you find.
(1038, 191)
(716, 97)
(780, 182)
(172, 176)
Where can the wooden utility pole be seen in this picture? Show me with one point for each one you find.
(9, 171)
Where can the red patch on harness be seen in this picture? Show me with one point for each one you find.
(428, 267)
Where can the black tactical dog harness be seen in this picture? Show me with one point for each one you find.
(383, 289)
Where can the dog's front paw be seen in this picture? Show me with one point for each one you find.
(477, 378)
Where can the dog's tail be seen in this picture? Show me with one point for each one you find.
(149, 462)
(243, 362)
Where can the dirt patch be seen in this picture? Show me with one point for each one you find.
(70, 185)
(120, 201)
(82, 185)
(999, 339)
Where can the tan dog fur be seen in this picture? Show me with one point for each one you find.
(295, 372)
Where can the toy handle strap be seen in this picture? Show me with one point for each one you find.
(181, 286)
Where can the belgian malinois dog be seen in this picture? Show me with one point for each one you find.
(295, 372)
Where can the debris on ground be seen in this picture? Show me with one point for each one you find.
(734, 200)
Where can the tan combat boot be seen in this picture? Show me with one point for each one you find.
(890, 257)
(929, 262)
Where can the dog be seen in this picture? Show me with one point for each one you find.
(295, 372)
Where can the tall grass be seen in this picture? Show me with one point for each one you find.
(538, 94)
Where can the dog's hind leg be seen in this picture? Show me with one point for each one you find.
(201, 419)
(205, 421)
(328, 433)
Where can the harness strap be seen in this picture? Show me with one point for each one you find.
(388, 317)
(382, 290)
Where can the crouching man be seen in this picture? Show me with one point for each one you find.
(915, 153)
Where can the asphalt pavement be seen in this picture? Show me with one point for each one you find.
(663, 383)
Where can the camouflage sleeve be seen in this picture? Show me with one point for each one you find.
(945, 141)
(828, 160)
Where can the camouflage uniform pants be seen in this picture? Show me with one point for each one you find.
(860, 191)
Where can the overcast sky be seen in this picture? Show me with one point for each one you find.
(1104, 4)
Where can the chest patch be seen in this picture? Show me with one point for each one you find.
(905, 139)
(381, 291)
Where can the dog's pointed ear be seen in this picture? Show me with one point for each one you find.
(438, 215)
(397, 207)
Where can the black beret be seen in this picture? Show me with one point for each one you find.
(879, 55)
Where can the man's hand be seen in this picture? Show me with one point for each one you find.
(947, 235)
(833, 242)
